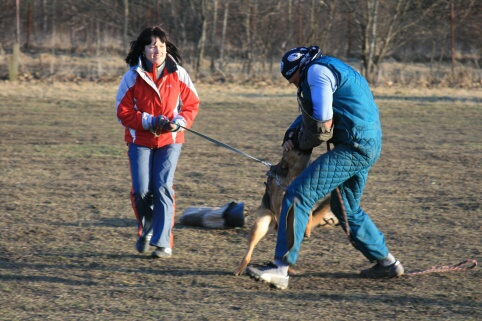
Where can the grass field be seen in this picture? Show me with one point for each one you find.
(67, 230)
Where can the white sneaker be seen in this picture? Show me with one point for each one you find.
(269, 273)
(162, 252)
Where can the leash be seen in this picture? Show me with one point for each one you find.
(217, 142)
(274, 175)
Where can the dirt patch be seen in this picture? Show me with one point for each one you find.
(68, 231)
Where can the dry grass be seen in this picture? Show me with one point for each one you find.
(48, 66)
(67, 229)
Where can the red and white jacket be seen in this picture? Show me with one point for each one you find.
(173, 94)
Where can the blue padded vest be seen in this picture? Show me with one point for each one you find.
(355, 113)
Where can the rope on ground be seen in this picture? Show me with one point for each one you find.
(462, 266)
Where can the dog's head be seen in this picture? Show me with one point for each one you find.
(281, 175)
(293, 163)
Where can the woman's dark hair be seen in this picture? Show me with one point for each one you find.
(145, 38)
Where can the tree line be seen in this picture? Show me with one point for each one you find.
(219, 31)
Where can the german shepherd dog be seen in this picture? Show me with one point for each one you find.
(267, 214)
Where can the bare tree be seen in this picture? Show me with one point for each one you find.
(126, 23)
(267, 38)
(202, 39)
(213, 34)
(300, 24)
(29, 24)
(16, 45)
(250, 17)
(255, 32)
(370, 38)
(457, 15)
(289, 24)
(328, 20)
(401, 20)
(225, 25)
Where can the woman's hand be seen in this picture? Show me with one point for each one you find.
(158, 122)
(176, 125)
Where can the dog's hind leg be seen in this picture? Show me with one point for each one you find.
(309, 226)
(263, 223)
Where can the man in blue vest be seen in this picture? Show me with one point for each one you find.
(336, 105)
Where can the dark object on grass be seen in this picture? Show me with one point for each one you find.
(230, 215)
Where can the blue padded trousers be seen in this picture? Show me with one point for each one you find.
(345, 166)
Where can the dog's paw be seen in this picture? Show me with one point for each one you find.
(240, 269)
(291, 271)
(331, 221)
(238, 272)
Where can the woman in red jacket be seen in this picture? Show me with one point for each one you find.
(156, 100)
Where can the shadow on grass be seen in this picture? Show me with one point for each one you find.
(327, 275)
(458, 306)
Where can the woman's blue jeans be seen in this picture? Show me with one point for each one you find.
(152, 195)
